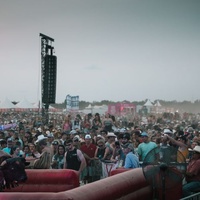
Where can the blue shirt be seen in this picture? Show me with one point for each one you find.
(131, 161)
(7, 150)
(145, 148)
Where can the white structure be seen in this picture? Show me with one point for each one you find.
(149, 106)
(6, 104)
(158, 108)
(95, 109)
(25, 104)
(157, 104)
(148, 103)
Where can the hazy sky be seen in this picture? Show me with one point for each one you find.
(106, 49)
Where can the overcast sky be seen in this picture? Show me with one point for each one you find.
(106, 49)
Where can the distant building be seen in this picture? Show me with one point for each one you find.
(72, 103)
(122, 108)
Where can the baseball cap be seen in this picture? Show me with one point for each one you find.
(144, 134)
(87, 136)
(55, 143)
(128, 145)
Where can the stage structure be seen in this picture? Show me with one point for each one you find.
(48, 75)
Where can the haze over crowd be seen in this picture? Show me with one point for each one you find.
(114, 50)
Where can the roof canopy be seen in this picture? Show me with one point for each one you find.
(157, 104)
(7, 104)
(148, 103)
(25, 104)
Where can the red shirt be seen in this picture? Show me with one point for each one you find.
(89, 150)
(194, 168)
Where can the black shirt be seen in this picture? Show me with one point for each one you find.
(72, 160)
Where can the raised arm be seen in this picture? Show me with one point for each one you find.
(180, 144)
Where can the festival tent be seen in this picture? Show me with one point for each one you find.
(148, 103)
(158, 107)
(95, 109)
(25, 105)
(52, 109)
(149, 106)
(157, 104)
(89, 107)
(6, 105)
(38, 107)
(100, 109)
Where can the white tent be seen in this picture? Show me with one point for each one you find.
(52, 109)
(25, 104)
(157, 104)
(100, 109)
(7, 104)
(148, 103)
(89, 107)
(158, 107)
(95, 109)
(149, 106)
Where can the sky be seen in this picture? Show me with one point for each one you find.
(106, 49)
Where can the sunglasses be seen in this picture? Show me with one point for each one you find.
(100, 146)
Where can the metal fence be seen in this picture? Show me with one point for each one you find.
(195, 196)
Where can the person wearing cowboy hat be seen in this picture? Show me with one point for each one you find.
(44, 161)
(192, 175)
(40, 138)
(109, 145)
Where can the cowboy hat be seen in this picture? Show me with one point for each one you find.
(40, 137)
(167, 131)
(197, 149)
(110, 134)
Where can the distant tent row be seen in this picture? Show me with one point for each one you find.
(155, 108)
(149, 103)
(124, 108)
(23, 105)
(6, 104)
(95, 109)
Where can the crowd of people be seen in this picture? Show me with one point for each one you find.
(94, 144)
